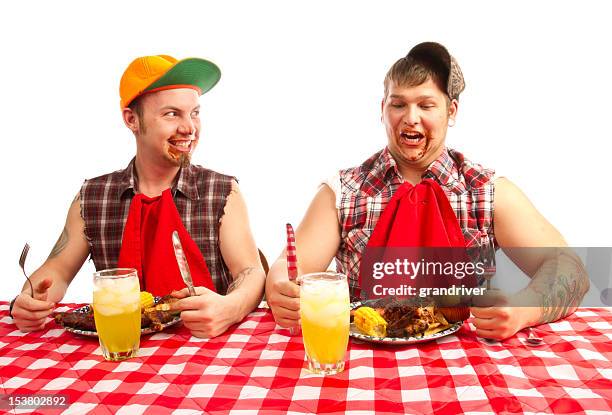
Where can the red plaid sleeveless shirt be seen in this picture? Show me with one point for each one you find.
(365, 191)
(199, 195)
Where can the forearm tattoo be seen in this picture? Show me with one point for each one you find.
(239, 279)
(561, 283)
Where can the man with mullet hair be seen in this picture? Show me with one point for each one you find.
(417, 192)
(126, 218)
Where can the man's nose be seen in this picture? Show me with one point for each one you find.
(187, 126)
(411, 117)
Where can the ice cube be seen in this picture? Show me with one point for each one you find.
(104, 297)
(334, 310)
(126, 284)
(103, 283)
(125, 299)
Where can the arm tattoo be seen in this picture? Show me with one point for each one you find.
(60, 244)
(239, 278)
(560, 283)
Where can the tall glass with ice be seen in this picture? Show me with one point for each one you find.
(116, 304)
(325, 315)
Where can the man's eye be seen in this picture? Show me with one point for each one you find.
(195, 114)
(171, 114)
(427, 106)
(397, 105)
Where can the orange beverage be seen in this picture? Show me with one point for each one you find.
(116, 304)
(325, 316)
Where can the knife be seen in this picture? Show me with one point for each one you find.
(182, 262)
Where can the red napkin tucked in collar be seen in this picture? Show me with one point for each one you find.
(416, 217)
(147, 246)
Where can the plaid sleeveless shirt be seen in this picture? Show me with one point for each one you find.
(366, 190)
(199, 194)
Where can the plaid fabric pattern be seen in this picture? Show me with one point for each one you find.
(257, 368)
(199, 195)
(367, 189)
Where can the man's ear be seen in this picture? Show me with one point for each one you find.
(130, 119)
(452, 109)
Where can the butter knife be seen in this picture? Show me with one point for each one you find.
(182, 262)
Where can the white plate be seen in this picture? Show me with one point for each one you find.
(357, 334)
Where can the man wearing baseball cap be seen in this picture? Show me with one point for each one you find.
(127, 218)
(416, 192)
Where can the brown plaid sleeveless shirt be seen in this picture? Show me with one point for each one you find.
(367, 189)
(199, 194)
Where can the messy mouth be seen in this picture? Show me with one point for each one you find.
(182, 146)
(411, 138)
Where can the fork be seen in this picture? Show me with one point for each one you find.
(22, 259)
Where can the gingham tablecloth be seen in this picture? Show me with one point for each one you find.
(258, 368)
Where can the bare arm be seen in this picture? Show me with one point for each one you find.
(317, 241)
(559, 280)
(209, 314)
(240, 254)
(51, 280)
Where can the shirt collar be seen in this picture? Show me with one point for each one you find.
(441, 169)
(386, 168)
(444, 170)
(185, 181)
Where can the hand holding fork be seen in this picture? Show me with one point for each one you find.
(30, 310)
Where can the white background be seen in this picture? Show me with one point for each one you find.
(298, 99)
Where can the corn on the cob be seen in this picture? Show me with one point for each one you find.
(146, 300)
(370, 322)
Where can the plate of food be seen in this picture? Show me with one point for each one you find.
(156, 315)
(393, 321)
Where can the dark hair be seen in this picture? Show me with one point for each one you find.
(409, 71)
(137, 108)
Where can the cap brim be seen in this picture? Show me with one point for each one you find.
(197, 72)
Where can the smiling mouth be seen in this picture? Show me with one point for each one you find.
(411, 138)
(181, 146)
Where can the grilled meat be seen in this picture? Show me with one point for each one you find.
(154, 317)
(407, 318)
(80, 321)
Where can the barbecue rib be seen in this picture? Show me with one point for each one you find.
(152, 317)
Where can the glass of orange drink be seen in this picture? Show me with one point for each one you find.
(325, 317)
(116, 304)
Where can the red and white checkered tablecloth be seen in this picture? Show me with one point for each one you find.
(257, 368)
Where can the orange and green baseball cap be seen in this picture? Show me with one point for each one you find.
(156, 73)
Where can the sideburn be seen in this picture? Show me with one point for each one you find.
(141, 124)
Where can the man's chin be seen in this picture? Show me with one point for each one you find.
(413, 156)
(180, 160)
